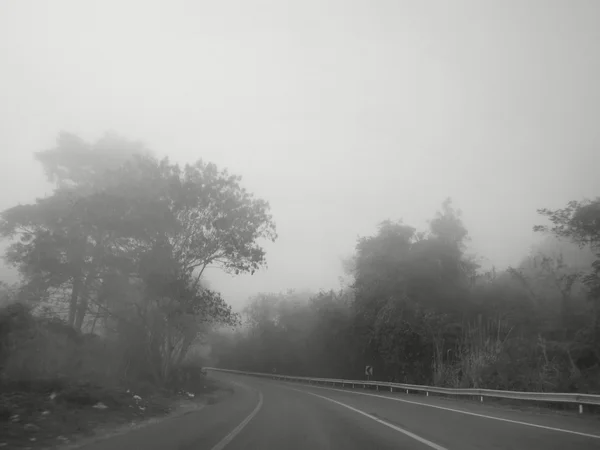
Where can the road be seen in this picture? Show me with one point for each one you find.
(264, 414)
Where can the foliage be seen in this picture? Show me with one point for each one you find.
(120, 248)
(420, 310)
(121, 245)
(579, 222)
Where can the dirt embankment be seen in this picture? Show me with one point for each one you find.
(50, 415)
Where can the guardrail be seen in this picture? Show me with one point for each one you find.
(548, 397)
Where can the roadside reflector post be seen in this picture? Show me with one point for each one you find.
(482, 399)
(391, 389)
(580, 409)
(427, 394)
(378, 387)
(352, 385)
(407, 391)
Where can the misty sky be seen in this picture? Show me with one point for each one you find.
(339, 113)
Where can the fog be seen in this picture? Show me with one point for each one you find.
(339, 113)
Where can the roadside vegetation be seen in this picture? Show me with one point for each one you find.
(420, 310)
(112, 318)
(111, 302)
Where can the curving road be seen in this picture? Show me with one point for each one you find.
(266, 414)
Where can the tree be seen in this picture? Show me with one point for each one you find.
(76, 163)
(580, 223)
(220, 221)
(128, 237)
(173, 311)
(421, 312)
(98, 215)
(412, 291)
(448, 227)
(331, 342)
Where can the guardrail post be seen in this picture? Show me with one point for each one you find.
(352, 385)
(377, 388)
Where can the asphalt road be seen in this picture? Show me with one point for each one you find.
(265, 414)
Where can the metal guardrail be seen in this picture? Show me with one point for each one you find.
(548, 397)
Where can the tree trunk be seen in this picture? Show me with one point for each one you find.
(77, 285)
(185, 346)
(96, 316)
(82, 307)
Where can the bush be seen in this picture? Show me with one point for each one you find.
(45, 355)
(16, 323)
(43, 352)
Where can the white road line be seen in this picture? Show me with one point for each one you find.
(484, 416)
(227, 439)
(383, 422)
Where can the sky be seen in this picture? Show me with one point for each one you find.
(340, 113)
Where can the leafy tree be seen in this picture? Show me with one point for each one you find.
(220, 221)
(73, 236)
(411, 291)
(76, 163)
(422, 311)
(125, 239)
(580, 223)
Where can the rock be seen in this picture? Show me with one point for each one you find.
(99, 405)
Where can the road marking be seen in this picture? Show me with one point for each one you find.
(227, 439)
(484, 416)
(377, 419)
